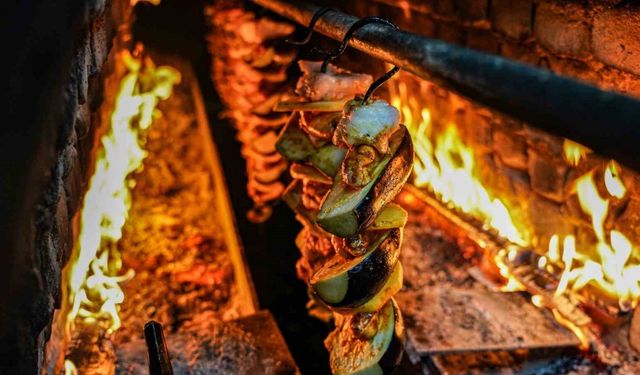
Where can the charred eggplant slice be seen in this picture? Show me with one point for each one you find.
(351, 283)
(293, 143)
(369, 344)
(390, 288)
(347, 211)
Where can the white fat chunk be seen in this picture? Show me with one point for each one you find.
(369, 123)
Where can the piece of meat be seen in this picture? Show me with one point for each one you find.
(367, 124)
(335, 84)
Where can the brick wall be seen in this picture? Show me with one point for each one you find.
(594, 41)
(60, 83)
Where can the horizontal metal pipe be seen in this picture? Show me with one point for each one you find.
(606, 122)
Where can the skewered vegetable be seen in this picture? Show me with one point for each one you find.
(346, 211)
(349, 164)
(351, 283)
(367, 344)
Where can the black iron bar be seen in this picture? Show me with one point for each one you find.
(606, 122)
(159, 361)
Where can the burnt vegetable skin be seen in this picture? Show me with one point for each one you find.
(350, 284)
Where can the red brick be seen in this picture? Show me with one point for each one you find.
(547, 219)
(472, 10)
(562, 28)
(520, 52)
(511, 148)
(451, 32)
(482, 40)
(547, 175)
(512, 17)
(421, 23)
(615, 38)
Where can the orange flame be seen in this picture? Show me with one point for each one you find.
(94, 273)
(446, 165)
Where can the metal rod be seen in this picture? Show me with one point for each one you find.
(159, 361)
(606, 122)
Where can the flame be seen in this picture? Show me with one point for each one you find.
(613, 267)
(447, 166)
(612, 180)
(574, 152)
(94, 273)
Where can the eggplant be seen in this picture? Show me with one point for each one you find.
(367, 345)
(293, 143)
(390, 288)
(391, 216)
(347, 284)
(328, 159)
(347, 211)
(319, 106)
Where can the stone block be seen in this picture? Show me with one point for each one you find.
(547, 175)
(476, 130)
(547, 219)
(422, 24)
(544, 142)
(512, 17)
(472, 10)
(444, 7)
(100, 42)
(562, 27)
(615, 38)
(629, 221)
(510, 147)
(520, 52)
(482, 40)
(451, 32)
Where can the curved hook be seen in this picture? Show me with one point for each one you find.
(379, 82)
(316, 16)
(331, 55)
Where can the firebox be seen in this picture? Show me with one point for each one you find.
(281, 187)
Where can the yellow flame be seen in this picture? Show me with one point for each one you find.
(94, 276)
(612, 268)
(446, 165)
(574, 152)
(612, 180)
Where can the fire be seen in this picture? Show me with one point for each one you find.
(574, 152)
(446, 165)
(95, 272)
(613, 267)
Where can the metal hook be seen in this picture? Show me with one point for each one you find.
(347, 37)
(316, 16)
(379, 82)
